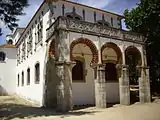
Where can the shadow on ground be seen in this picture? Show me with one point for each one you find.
(10, 111)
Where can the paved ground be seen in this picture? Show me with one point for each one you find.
(16, 109)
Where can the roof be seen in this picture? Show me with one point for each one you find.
(45, 1)
(18, 28)
(31, 20)
(7, 46)
(121, 16)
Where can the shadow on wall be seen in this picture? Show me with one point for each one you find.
(3, 91)
(14, 110)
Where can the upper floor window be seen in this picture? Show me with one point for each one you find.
(29, 43)
(23, 50)
(37, 73)
(18, 56)
(78, 71)
(39, 32)
(2, 56)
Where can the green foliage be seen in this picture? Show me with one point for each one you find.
(145, 19)
(9, 10)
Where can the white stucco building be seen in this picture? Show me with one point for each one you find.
(72, 54)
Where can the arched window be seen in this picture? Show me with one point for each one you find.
(37, 73)
(110, 72)
(28, 76)
(22, 78)
(18, 80)
(2, 56)
(10, 41)
(78, 71)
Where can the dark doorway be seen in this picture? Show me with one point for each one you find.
(133, 58)
(110, 72)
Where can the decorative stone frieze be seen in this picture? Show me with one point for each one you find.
(93, 29)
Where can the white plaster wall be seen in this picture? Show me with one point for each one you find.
(8, 70)
(84, 92)
(112, 92)
(33, 92)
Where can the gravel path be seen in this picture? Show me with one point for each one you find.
(12, 108)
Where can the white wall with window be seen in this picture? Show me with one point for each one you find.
(7, 70)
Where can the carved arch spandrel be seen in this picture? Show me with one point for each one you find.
(90, 44)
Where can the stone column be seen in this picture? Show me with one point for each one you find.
(124, 86)
(144, 81)
(144, 85)
(64, 88)
(100, 87)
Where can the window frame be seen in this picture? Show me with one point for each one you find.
(37, 73)
(28, 76)
(18, 80)
(22, 84)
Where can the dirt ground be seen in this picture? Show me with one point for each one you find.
(12, 108)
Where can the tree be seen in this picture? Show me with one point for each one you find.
(145, 19)
(9, 10)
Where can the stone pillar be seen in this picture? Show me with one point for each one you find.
(144, 85)
(124, 87)
(64, 88)
(144, 81)
(100, 87)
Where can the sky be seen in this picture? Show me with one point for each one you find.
(116, 6)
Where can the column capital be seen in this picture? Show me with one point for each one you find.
(99, 66)
(70, 64)
(121, 66)
(65, 62)
(142, 67)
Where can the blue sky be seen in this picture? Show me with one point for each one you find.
(116, 6)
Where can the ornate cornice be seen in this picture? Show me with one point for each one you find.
(93, 29)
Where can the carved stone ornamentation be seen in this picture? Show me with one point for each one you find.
(93, 29)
